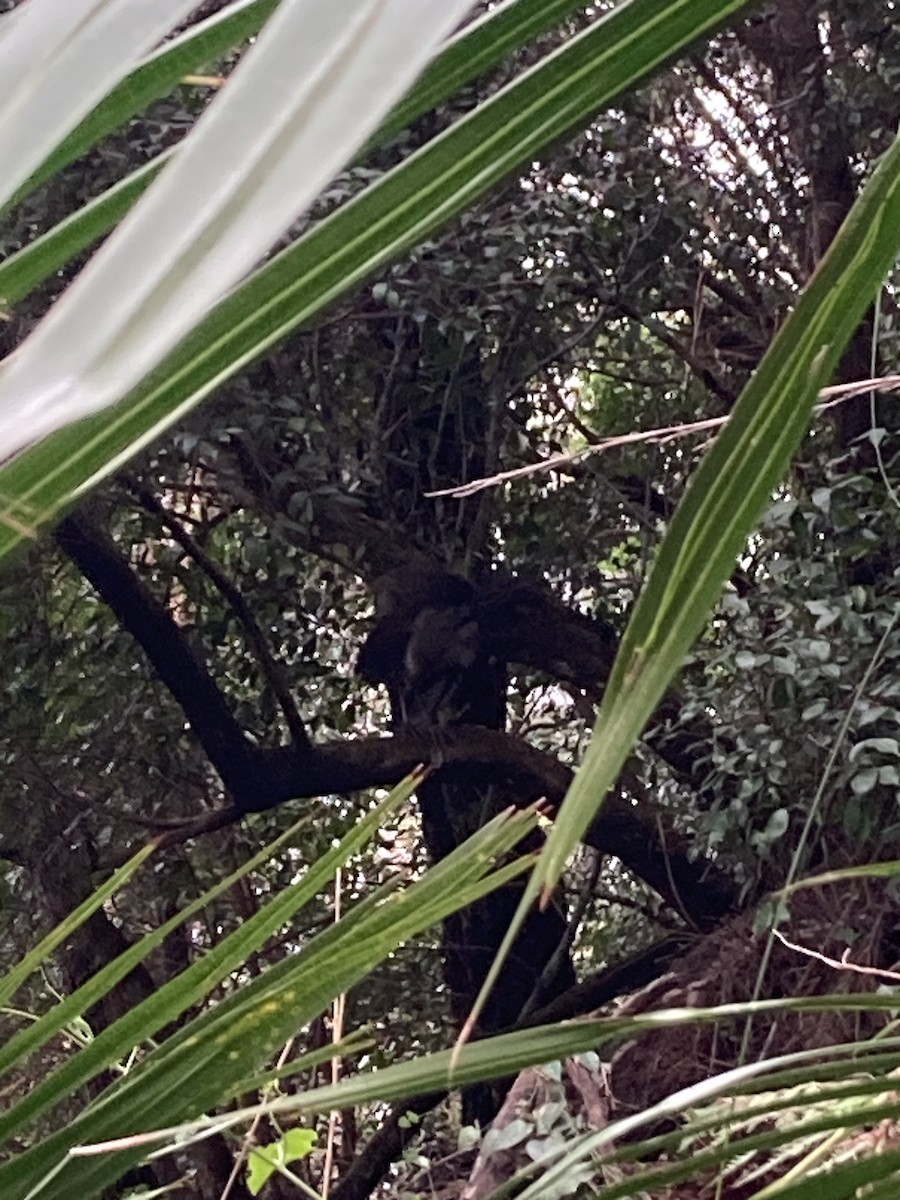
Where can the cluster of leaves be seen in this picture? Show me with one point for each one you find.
(630, 279)
(799, 675)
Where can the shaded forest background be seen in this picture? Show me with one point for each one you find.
(270, 613)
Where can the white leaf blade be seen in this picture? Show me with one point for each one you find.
(58, 59)
(255, 160)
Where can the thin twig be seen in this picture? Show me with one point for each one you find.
(561, 352)
(548, 974)
(337, 1032)
(667, 433)
(665, 335)
(250, 1137)
(272, 671)
(840, 964)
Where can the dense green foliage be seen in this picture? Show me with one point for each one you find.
(631, 279)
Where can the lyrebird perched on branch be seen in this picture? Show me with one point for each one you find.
(429, 646)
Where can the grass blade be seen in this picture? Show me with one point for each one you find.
(728, 492)
(57, 62)
(557, 95)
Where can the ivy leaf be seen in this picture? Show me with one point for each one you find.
(864, 782)
(881, 745)
(265, 1160)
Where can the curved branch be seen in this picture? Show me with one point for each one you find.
(260, 779)
(174, 659)
(631, 832)
(272, 672)
(531, 626)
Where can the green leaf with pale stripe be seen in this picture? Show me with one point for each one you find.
(13, 980)
(155, 78)
(31, 266)
(314, 85)
(192, 1071)
(554, 98)
(474, 50)
(57, 62)
(728, 492)
(471, 52)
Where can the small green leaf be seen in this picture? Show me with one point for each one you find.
(881, 745)
(825, 614)
(777, 825)
(863, 783)
(263, 1161)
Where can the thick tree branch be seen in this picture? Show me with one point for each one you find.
(166, 645)
(537, 630)
(630, 832)
(272, 671)
(532, 628)
(383, 1148)
(621, 979)
(386, 1145)
(261, 779)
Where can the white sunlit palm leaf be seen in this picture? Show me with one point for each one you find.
(321, 76)
(58, 58)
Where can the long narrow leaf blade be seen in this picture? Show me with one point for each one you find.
(13, 980)
(36, 262)
(154, 78)
(192, 985)
(197, 1067)
(38, 1033)
(729, 491)
(475, 49)
(58, 60)
(555, 97)
(504, 1054)
(315, 84)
